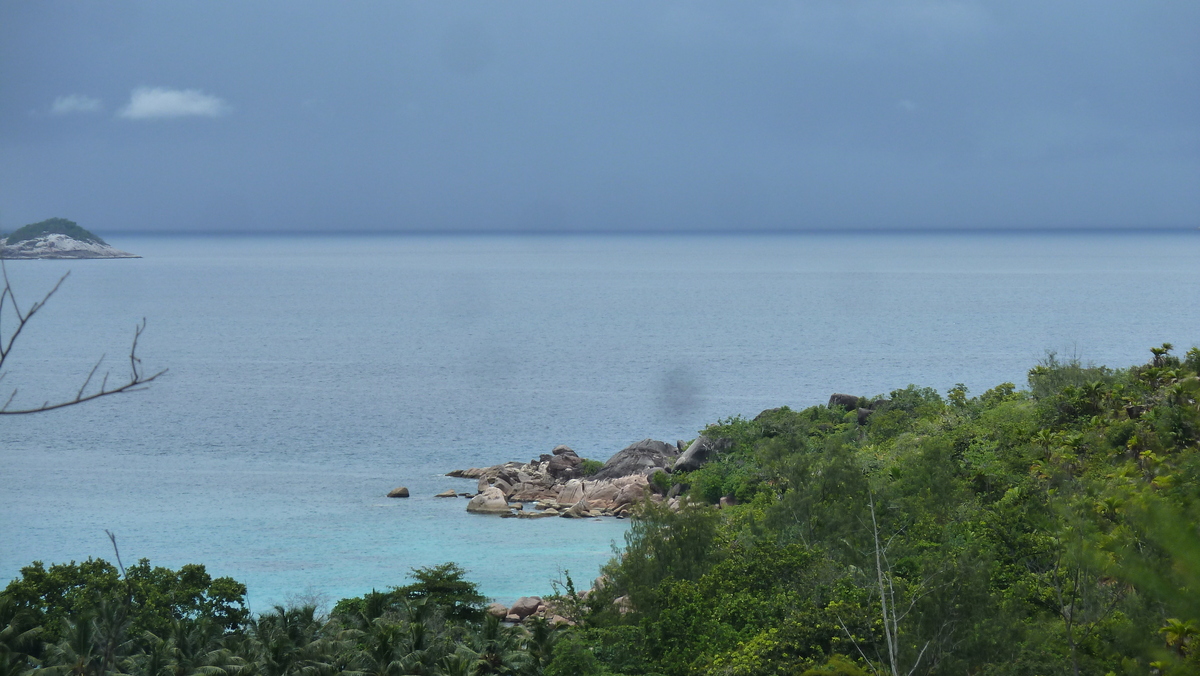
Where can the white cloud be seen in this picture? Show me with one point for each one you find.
(75, 103)
(154, 102)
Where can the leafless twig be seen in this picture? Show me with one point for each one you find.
(137, 377)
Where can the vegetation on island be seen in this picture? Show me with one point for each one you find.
(1038, 531)
(53, 226)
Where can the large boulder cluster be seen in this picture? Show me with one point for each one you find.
(526, 608)
(554, 485)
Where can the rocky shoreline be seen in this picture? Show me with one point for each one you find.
(555, 483)
(59, 246)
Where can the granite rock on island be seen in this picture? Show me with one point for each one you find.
(555, 485)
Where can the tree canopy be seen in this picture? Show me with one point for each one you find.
(1037, 531)
(53, 226)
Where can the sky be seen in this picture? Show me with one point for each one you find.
(600, 116)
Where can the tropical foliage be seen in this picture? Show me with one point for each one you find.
(1038, 531)
(1042, 531)
(88, 620)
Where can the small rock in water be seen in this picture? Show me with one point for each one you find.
(398, 492)
(446, 494)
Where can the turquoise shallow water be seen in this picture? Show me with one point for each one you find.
(309, 375)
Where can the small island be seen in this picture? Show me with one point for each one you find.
(57, 238)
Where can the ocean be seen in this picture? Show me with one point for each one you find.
(309, 375)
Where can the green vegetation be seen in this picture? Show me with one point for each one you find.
(442, 586)
(89, 620)
(1051, 530)
(590, 467)
(53, 226)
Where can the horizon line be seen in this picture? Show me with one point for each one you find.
(425, 232)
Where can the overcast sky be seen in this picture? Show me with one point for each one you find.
(432, 116)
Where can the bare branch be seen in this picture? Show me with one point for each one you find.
(89, 378)
(137, 378)
(889, 629)
(922, 654)
(855, 642)
(112, 537)
(131, 386)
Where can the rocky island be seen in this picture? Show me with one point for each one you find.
(57, 238)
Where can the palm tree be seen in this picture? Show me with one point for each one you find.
(375, 604)
(1045, 439)
(18, 638)
(1094, 392)
(112, 623)
(76, 653)
(1160, 354)
(461, 662)
(1179, 635)
(153, 661)
(540, 644)
(293, 642)
(498, 649)
(421, 648)
(191, 648)
(381, 650)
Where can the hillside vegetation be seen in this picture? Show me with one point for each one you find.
(1046, 530)
(53, 226)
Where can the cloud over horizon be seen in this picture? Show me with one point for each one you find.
(543, 116)
(75, 103)
(147, 103)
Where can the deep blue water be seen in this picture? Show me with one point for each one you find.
(309, 375)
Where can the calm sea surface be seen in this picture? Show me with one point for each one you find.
(310, 375)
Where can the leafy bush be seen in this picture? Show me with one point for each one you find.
(1192, 363)
(915, 401)
(444, 586)
(837, 665)
(590, 467)
(156, 595)
(573, 657)
(726, 477)
(1051, 375)
(661, 481)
